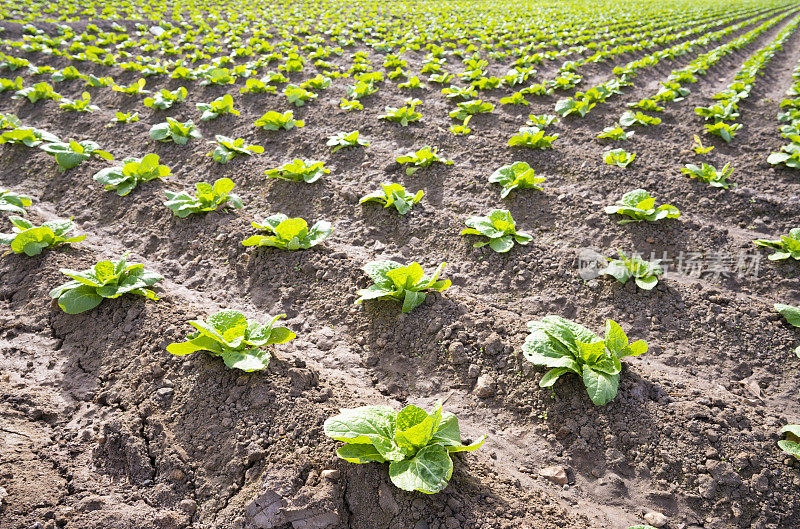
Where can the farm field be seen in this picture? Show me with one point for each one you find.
(547, 113)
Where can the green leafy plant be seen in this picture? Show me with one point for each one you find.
(298, 96)
(406, 284)
(228, 148)
(542, 121)
(134, 88)
(37, 92)
(350, 104)
(462, 129)
(289, 234)
(630, 117)
(792, 315)
(470, 108)
(518, 175)
(791, 444)
(723, 130)
(787, 246)
(416, 444)
(709, 174)
(789, 155)
(308, 171)
(8, 84)
(14, 202)
(79, 105)
(698, 147)
(644, 272)
(402, 115)
(125, 117)
(239, 341)
(272, 120)
(615, 132)
(421, 158)
(567, 347)
(340, 140)
(164, 99)
(532, 137)
(28, 136)
(394, 195)
(174, 130)
(72, 154)
(214, 109)
(500, 228)
(639, 206)
(31, 240)
(618, 157)
(207, 198)
(131, 173)
(105, 280)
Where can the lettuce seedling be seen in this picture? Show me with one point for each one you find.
(272, 120)
(619, 157)
(9, 121)
(37, 92)
(228, 148)
(644, 272)
(791, 444)
(174, 130)
(72, 154)
(698, 148)
(615, 132)
(14, 202)
(412, 83)
(318, 82)
(79, 105)
(105, 280)
(236, 339)
(394, 195)
(164, 99)
(500, 228)
(518, 175)
(134, 88)
(517, 98)
(723, 130)
(133, 172)
(542, 121)
(402, 115)
(67, 74)
(568, 106)
(214, 109)
(124, 117)
(789, 156)
(532, 137)
(28, 136)
(361, 89)
(406, 284)
(421, 158)
(340, 140)
(709, 174)
(567, 347)
(630, 117)
(470, 108)
(308, 171)
(289, 234)
(455, 92)
(31, 240)
(207, 198)
(347, 104)
(257, 86)
(8, 84)
(792, 315)
(298, 96)
(416, 444)
(639, 206)
(787, 246)
(462, 129)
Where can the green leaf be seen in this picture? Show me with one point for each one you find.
(428, 471)
(79, 299)
(792, 314)
(360, 453)
(356, 425)
(601, 387)
(552, 376)
(249, 360)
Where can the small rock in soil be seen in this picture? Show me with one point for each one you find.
(656, 519)
(484, 387)
(556, 474)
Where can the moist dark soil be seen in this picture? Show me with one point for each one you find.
(102, 428)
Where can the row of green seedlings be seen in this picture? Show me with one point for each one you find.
(789, 155)
(727, 107)
(583, 102)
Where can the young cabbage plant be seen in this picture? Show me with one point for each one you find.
(9, 121)
(298, 96)
(615, 132)
(709, 174)
(406, 284)
(791, 443)
(340, 140)
(699, 148)
(518, 175)
(619, 157)
(257, 86)
(567, 347)
(785, 247)
(639, 206)
(207, 198)
(134, 171)
(723, 130)
(541, 121)
(28, 136)
(228, 148)
(174, 130)
(792, 315)
(79, 105)
(239, 341)
(105, 280)
(272, 120)
(789, 155)
(137, 87)
(124, 117)
(630, 117)
(462, 129)
(308, 171)
(350, 104)
(421, 158)
(402, 115)
(394, 195)
(533, 138)
(31, 240)
(470, 108)
(644, 272)
(164, 99)
(37, 92)
(500, 228)
(72, 154)
(289, 234)
(214, 109)
(14, 202)
(416, 444)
